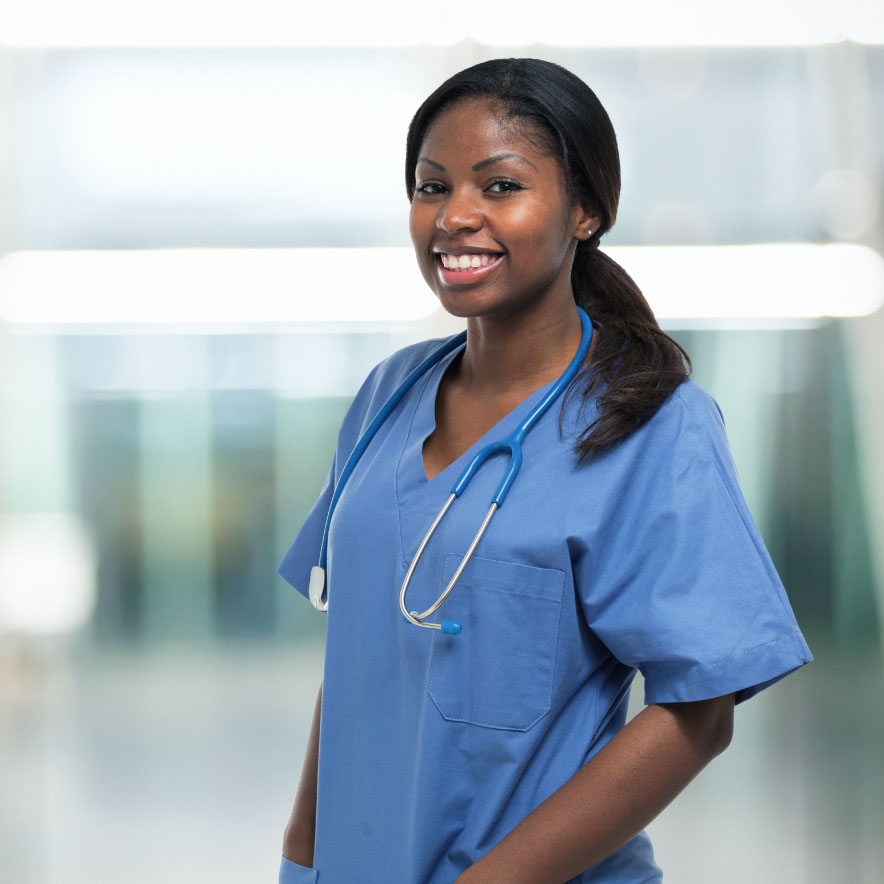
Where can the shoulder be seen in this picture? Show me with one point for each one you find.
(687, 441)
(686, 435)
(678, 463)
(383, 380)
(697, 403)
(688, 414)
(388, 374)
(689, 417)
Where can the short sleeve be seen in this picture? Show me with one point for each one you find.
(303, 554)
(682, 586)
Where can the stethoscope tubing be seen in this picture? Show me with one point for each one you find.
(318, 588)
(371, 430)
(512, 443)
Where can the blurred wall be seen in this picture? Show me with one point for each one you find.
(153, 471)
(183, 451)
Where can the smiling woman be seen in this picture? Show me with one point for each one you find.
(499, 751)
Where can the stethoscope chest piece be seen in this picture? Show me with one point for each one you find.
(317, 591)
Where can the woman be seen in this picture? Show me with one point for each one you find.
(500, 754)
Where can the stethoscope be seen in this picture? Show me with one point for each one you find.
(512, 443)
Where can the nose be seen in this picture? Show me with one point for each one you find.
(460, 211)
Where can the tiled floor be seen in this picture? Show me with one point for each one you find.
(180, 766)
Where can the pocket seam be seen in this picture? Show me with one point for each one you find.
(527, 595)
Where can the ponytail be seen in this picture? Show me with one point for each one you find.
(635, 364)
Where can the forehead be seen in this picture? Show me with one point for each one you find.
(476, 128)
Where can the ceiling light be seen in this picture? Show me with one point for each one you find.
(231, 289)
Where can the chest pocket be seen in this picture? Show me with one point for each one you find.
(498, 672)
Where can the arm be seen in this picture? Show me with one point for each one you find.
(612, 797)
(300, 833)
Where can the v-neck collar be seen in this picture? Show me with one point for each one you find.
(411, 473)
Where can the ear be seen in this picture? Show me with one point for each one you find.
(586, 223)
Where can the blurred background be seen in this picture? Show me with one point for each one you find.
(196, 201)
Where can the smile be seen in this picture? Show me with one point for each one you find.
(465, 262)
(463, 269)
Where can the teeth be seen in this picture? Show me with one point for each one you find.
(465, 262)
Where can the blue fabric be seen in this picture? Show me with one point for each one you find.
(292, 873)
(433, 747)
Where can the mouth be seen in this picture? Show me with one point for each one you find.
(463, 268)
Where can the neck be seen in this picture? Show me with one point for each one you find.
(520, 353)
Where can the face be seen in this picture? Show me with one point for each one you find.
(492, 224)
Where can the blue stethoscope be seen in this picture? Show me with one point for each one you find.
(512, 443)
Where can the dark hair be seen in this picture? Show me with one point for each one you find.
(634, 363)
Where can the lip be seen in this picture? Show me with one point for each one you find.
(469, 275)
(466, 250)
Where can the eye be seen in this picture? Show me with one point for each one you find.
(429, 188)
(504, 185)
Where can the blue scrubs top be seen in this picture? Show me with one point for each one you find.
(433, 747)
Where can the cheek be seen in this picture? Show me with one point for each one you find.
(420, 224)
(420, 228)
(541, 229)
(412, 231)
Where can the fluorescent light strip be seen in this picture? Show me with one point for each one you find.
(773, 281)
(213, 286)
(265, 23)
(236, 288)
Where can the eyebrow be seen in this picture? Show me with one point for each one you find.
(432, 163)
(502, 156)
(483, 163)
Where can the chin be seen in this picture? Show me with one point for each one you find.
(464, 306)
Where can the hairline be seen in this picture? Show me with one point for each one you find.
(546, 143)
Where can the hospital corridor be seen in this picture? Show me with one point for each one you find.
(204, 250)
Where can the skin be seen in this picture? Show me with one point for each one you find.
(300, 833)
(483, 184)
